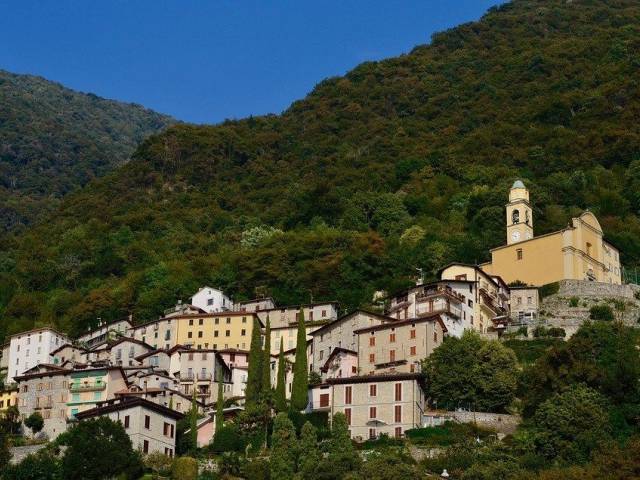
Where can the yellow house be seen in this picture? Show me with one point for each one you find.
(217, 331)
(577, 252)
(8, 397)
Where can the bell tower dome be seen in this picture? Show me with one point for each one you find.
(519, 214)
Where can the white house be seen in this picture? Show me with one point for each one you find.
(150, 426)
(28, 349)
(211, 300)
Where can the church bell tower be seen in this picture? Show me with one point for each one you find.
(519, 214)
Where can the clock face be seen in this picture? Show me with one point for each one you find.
(515, 236)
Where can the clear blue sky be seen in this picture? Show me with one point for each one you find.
(207, 60)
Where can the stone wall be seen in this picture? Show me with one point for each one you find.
(500, 422)
(582, 288)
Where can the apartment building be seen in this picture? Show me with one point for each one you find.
(377, 404)
(68, 355)
(340, 334)
(488, 295)
(150, 426)
(314, 313)
(216, 331)
(201, 370)
(255, 305)
(524, 303)
(160, 334)
(28, 349)
(90, 386)
(46, 391)
(105, 331)
(399, 346)
(122, 352)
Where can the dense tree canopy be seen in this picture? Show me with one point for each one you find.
(400, 163)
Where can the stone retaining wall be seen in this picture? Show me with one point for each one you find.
(582, 288)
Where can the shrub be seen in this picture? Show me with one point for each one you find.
(548, 289)
(158, 463)
(540, 331)
(601, 312)
(573, 302)
(556, 332)
(228, 439)
(256, 470)
(184, 468)
(523, 331)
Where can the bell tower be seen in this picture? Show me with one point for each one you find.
(519, 214)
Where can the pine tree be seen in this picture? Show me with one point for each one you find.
(220, 409)
(342, 455)
(254, 376)
(266, 361)
(193, 422)
(300, 387)
(281, 389)
(309, 453)
(283, 448)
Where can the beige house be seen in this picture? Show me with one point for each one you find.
(577, 252)
(160, 334)
(341, 334)
(201, 370)
(525, 303)
(105, 331)
(399, 346)
(488, 295)
(150, 426)
(378, 404)
(122, 352)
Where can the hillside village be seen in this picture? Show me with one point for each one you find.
(364, 364)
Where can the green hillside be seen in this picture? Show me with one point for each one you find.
(54, 140)
(399, 164)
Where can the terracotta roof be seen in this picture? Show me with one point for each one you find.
(401, 323)
(125, 403)
(344, 317)
(390, 377)
(67, 345)
(109, 346)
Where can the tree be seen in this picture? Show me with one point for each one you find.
(5, 453)
(184, 468)
(193, 422)
(300, 388)
(309, 453)
(342, 457)
(571, 424)
(220, 408)
(254, 375)
(389, 466)
(11, 419)
(471, 372)
(266, 360)
(159, 463)
(281, 388)
(35, 422)
(42, 465)
(283, 448)
(97, 449)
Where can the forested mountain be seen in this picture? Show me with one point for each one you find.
(399, 164)
(54, 140)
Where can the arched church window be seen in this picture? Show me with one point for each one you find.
(515, 216)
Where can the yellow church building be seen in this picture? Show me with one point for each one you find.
(577, 252)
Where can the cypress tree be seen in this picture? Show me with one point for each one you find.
(281, 391)
(309, 457)
(282, 463)
(266, 361)
(193, 422)
(220, 409)
(254, 375)
(300, 387)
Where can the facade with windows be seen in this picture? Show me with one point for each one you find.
(525, 303)
(577, 252)
(122, 352)
(216, 331)
(150, 426)
(399, 346)
(105, 331)
(28, 349)
(211, 300)
(201, 370)
(340, 334)
(88, 387)
(160, 334)
(378, 404)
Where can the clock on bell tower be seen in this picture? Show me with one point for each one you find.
(519, 214)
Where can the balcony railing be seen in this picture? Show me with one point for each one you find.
(87, 387)
(43, 405)
(204, 376)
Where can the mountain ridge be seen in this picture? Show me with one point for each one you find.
(398, 164)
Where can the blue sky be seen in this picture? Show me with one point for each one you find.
(204, 61)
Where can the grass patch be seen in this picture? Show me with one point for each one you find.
(447, 434)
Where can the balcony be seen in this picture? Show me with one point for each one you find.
(42, 406)
(87, 387)
(204, 377)
(439, 292)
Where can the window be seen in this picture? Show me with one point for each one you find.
(190, 335)
(398, 432)
(398, 392)
(372, 358)
(126, 421)
(200, 334)
(372, 433)
(243, 332)
(216, 321)
(215, 333)
(392, 337)
(227, 333)
(392, 355)
(324, 400)
(412, 333)
(347, 414)
(519, 254)
(435, 337)
(147, 422)
(347, 395)
(470, 303)
(209, 301)
(461, 277)
(412, 351)
(397, 413)
(145, 446)
(228, 320)
(166, 429)
(372, 341)
(244, 319)
(190, 322)
(515, 216)
(373, 390)
(519, 301)
(373, 412)
(200, 321)
(529, 300)
(324, 313)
